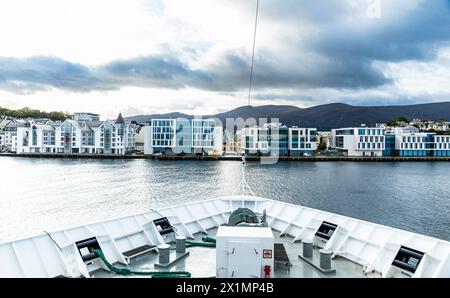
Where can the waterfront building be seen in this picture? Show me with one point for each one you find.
(3, 122)
(303, 141)
(277, 139)
(410, 142)
(77, 136)
(359, 141)
(183, 136)
(254, 140)
(232, 145)
(8, 134)
(441, 145)
(325, 137)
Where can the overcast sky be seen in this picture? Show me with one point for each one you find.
(156, 56)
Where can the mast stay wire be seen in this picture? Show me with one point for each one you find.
(253, 54)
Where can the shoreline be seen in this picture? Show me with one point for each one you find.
(233, 158)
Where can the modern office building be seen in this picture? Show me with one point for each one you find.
(359, 141)
(254, 140)
(409, 142)
(303, 141)
(183, 136)
(77, 136)
(277, 139)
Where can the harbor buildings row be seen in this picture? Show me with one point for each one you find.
(207, 137)
(397, 141)
(84, 133)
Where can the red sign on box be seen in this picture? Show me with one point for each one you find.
(267, 253)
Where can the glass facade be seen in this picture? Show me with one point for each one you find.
(203, 133)
(183, 136)
(389, 146)
(345, 132)
(163, 133)
(279, 140)
(419, 145)
(302, 141)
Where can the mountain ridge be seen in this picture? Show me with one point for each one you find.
(324, 117)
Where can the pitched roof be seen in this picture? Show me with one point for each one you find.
(120, 119)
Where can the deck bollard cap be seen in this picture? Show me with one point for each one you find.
(307, 241)
(163, 246)
(180, 237)
(325, 251)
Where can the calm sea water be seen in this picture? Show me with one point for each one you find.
(48, 194)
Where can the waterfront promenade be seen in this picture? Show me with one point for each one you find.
(235, 158)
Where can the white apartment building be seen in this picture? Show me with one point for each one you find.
(3, 123)
(183, 136)
(8, 134)
(77, 137)
(359, 141)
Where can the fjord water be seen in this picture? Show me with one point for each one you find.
(49, 194)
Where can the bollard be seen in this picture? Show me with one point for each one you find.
(164, 253)
(308, 248)
(325, 259)
(181, 244)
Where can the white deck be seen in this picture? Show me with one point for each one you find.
(369, 247)
(201, 263)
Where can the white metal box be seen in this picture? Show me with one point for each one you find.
(244, 252)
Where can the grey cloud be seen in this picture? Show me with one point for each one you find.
(233, 73)
(339, 54)
(414, 36)
(151, 71)
(42, 72)
(300, 11)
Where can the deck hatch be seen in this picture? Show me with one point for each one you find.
(163, 226)
(281, 257)
(408, 259)
(86, 247)
(326, 230)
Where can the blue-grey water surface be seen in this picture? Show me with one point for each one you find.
(49, 194)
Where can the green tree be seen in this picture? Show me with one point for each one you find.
(322, 146)
(31, 113)
(396, 121)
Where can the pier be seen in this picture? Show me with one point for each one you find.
(235, 158)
